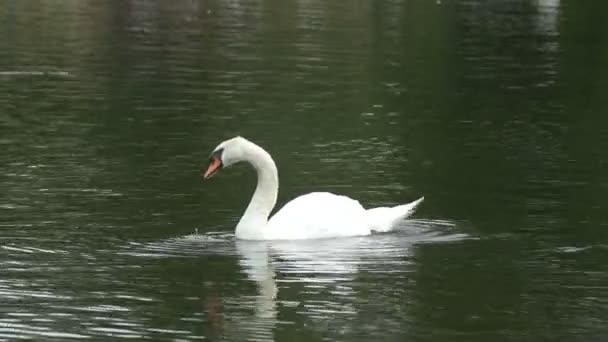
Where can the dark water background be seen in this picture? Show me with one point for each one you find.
(494, 110)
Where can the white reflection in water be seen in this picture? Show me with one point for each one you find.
(324, 272)
(548, 15)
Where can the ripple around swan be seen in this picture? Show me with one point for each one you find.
(385, 245)
(195, 244)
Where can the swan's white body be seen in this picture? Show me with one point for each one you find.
(325, 215)
(312, 216)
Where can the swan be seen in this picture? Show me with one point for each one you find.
(312, 216)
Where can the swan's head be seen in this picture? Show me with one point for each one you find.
(225, 154)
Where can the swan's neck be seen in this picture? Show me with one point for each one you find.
(264, 198)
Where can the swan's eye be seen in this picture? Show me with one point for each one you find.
(217, 154)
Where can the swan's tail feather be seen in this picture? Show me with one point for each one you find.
(408, 209)
(384, 219)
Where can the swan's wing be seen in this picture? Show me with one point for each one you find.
(318, 215)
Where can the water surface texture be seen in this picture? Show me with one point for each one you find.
(494, 110)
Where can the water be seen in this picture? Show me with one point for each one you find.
(493, 110)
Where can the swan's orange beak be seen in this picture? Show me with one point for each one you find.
(214, 167)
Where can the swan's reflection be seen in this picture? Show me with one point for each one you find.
(254, 259)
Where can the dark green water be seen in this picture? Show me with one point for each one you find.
(494, 110)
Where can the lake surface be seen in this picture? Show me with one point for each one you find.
(495, 111)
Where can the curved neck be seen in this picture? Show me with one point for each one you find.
(264, 198)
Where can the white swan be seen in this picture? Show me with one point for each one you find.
(311, 216)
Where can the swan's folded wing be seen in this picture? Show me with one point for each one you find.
(318, 215)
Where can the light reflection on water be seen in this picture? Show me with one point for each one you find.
(335, 287)
(284, 275)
